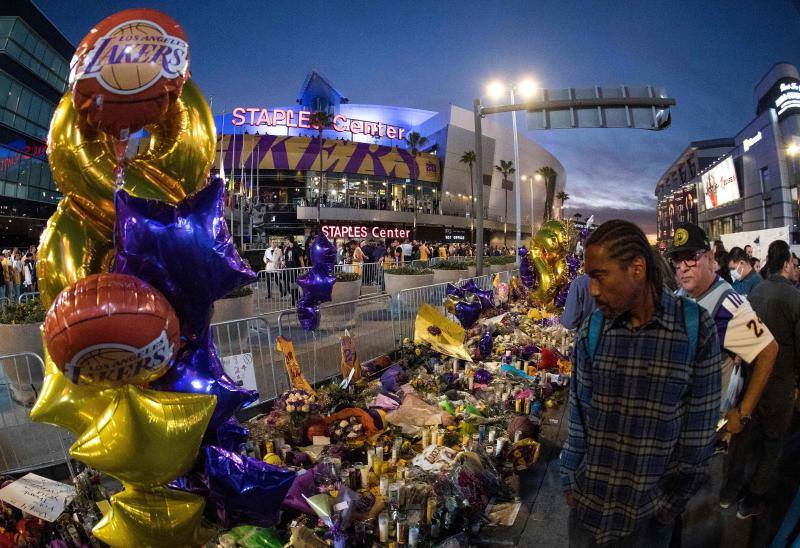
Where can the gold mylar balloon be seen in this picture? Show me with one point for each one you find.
(557, 228)
(146, 437)
(174, 164)
(67, 405)
(545, 240)
(543, 290)
(158, 517)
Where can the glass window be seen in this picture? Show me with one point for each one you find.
(31, 50)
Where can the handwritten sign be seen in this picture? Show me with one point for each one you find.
(350, 361)
(241, 370)
(296, 378)
(38, 496)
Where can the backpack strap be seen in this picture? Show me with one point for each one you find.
(596, 321)
(691, 321)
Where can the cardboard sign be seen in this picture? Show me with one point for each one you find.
(296, 378)
(241, 370)
(350, 361)
(444, 336)
(38, 496)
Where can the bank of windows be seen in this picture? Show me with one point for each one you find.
(25, 176)
(23, 44)
(378, 193)
(723, 225)
(23, 109)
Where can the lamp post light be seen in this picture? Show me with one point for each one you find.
(525, 88)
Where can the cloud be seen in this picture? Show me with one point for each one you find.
(643, 218)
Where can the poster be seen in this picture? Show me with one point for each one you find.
(720, 184)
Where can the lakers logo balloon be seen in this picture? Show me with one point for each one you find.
(107, 336)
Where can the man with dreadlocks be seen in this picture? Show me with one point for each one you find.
(644, 399)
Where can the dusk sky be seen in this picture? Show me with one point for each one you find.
(708, 55)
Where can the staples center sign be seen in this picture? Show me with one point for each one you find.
(332, 231)
(253, 116)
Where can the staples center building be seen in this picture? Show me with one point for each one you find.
(375, 185)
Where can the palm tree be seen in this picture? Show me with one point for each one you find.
(506, 167)
(562, 197)
(320, 121)
(469, 158)
(415, 142)
(549, 175)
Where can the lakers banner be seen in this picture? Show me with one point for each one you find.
(302, 154)
(296, 378)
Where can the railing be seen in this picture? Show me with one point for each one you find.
(26, 445)
(27, 297)
(4, 302)
(277, 290)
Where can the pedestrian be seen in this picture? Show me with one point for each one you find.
(424, 252)
(358, 258)
(407, 251)
(759, 445)
(272, 261)
(644, 399)
(292, 258)
(580, 303)
(17, 269)
(748, 249)
(28, 274)
(744, 276)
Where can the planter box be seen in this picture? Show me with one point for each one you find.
(346, 291)
(22, 374)
(395, 283)
(226, 310)
(471, 271)
(495, 268)
(451, 276)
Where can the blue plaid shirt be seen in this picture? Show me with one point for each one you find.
(642, 419)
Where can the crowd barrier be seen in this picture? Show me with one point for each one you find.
(26, 445)
(27, 297)
(377, 324)
(4, 302)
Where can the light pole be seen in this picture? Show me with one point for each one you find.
(526, 89)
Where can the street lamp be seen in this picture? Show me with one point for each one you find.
(525, 88)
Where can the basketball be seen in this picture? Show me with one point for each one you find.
(129, 70)
(110, 330)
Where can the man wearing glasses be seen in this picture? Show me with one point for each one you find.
(741, 334)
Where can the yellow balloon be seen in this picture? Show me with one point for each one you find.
(544, 289)
(68, 405)
(146, 437)
(158, 517)
(545, 240)
(557, 228)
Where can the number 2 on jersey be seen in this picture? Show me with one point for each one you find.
(756, 327)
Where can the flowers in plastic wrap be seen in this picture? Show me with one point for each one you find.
(299, 401)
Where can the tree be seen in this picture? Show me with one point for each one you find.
(506, 167)
(415, 142)
(549, 175)
(469, 158)
(320, 121)
(562, 197)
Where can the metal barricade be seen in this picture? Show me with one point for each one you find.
(4, 302)
(27, 297)
(371, 275)
(407, 303)
(277, 290)
(368, 320)
(419, 263)
(26, 445)
(250, 342)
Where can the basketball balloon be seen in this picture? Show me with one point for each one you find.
(110, 330)
(128, 70)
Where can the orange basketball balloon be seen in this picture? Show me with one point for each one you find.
(111, 329)
(128, 70)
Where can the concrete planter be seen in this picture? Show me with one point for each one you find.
(471, 271)
(226, 310)
(495, 268)
(395, 283)
(22, 374)
(451, 276)
(346, 291)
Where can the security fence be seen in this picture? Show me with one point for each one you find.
(28, 297)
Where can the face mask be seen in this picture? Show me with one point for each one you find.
(736, 275)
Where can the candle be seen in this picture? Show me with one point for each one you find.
(455, 365)
(471, 382)
(364, 470)
(383, 526)
(384, 486)
(430, 509)
(481, 432)
(370, 457)
(517, 436)
(518, 406)
(498, 447)
(492, 434)
(426, 438)
(402, 530)
(413, 535)
(399, 473)
(395, 454)
(379, 455)
(440, 438)
(527, 406)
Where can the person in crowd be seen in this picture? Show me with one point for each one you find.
(292, 258)
(777, 303)
(756, 264)
(397, 252)
(721, 260)
(424, 252)
(442, 251)
(7, 281)
(28, 274)
(796, 274)
(748, 249)
(644, 399)
(742, 335)
(357, 257)
(18, 270)
(580, 304)
(744, 276)
(272, 263)
(668, 275)
(407, 251)
(717, 246)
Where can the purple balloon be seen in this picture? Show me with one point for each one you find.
(182, 250)
(573, 265)
(468, 310)
(307, 314)
(485, 344)
(317, 283)
(583, 234)
(561, 297)
(452, 289)
(231, 435)
(303, 484)
(526, 274)
(482, 376)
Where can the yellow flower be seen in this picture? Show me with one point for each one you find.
(406, 340)
(418, 352)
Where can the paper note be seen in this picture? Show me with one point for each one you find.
(241, 370)
(38, 496)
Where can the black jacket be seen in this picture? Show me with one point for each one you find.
(777, 303)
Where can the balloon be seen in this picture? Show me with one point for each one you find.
(542, 292)
(184, 251)
(231, 435)
(161, 517)
(111, 329)
(485, 345)
(452, 289)
(128, 70)
(67, 405)
(317, 283)
(502, 292)
(198, 370)
(557, 228)
(526, 274)
(162, 429)
(561, 297)
(467, 310)
(244, 489)
(546, 240)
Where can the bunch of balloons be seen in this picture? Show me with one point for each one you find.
(549, 266)
(317, 283)
(467, 302)
(131, 366)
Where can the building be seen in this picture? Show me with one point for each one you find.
(34, 66)
(753, 182)
(676, 190)
(372, 178)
